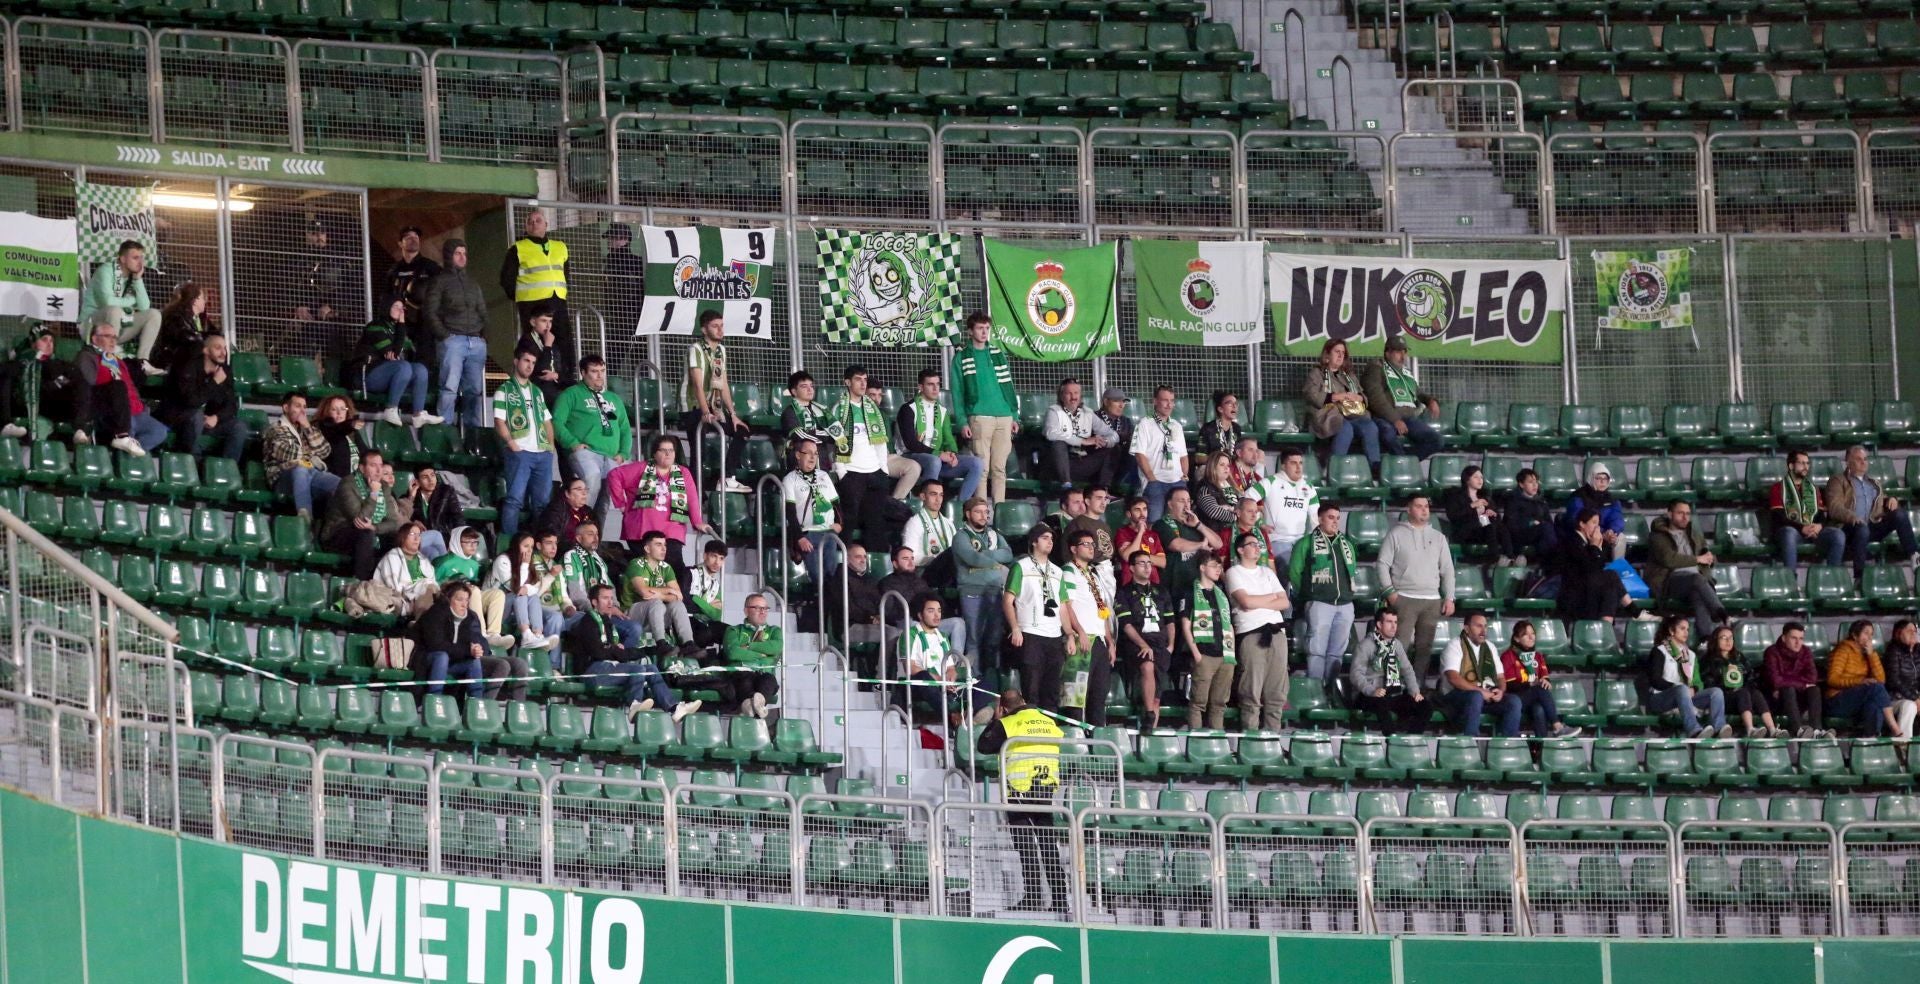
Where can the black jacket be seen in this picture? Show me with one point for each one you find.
(863, 597)
(180, 337)
(910, 586)
(87, 367)
(1524, 514)
(453, 304)
(340, 460)
(191, 390)
(379, 337)
(442, 511)
(439, 632)
(407, 280)
(59, 388)
(589, 642)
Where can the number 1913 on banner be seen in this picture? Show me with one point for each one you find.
(695, 269)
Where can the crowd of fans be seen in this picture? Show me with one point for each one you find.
(1218, 561)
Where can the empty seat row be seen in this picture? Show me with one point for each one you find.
(1686, 45)
(1706, 96)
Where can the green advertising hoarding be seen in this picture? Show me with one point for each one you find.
(84, 899)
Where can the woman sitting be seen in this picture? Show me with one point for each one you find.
(1524, 668)
(1473, 517)
(1723, 666)
(384, 363)
(406, 570)
(1333, 384)
(1588, 589)
(517, 572)
(1217, 499)
(342, 429)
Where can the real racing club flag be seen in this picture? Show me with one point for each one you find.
(1053, 305)
(693, 269)
(889, 288)
(1200, 293)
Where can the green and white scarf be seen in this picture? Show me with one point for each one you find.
(675, 487)
(818, 509)
(708, 360)
(929, 421)
(1401, 386)
(526, 411)
(812, 419)
(1209, 614)
(706, 592)
(1389, 663)
(379, 502)
(939, 537)
(1479, 665)
(585, 567)
(1799, 499)
(841, 430)
(555, 596)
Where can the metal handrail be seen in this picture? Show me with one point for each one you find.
(760, 532)
(1862, 206)
(1669, 848)
(1333, 85)
(1835, 859)
(1293, 23)
(700, 470)
(648, 371)
(579, 311)
(72, 565)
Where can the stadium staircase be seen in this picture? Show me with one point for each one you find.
(1455, 183)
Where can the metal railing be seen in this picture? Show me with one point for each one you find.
(1062, 856)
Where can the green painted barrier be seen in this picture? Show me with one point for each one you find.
(85, 899)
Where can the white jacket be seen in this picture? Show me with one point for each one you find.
(392, 572)
(1061, 426)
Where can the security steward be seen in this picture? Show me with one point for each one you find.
(1032, 772)
(535, 273)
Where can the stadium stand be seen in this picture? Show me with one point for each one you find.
(234, 694)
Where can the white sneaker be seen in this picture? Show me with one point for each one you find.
(130, 446)
(1705, 732)
(760, 706)
(552, 642)
(80, 437)
(1726, 731)
(634, 709)
(1563, 731)
(13, 430)
(151, 369)
(532, 640)
(684, 708)
(733, 485)
(500, 641)
(391, 415)
(424, 419)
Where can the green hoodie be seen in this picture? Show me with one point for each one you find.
(1323, 565)
(578, 421)
(453, 564)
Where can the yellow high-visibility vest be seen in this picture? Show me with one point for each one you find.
(1030, 763)
(542, 272)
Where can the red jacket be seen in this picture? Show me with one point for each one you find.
(1789, 670)
(1514, 670)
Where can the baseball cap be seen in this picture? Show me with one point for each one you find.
(1113, 393)
(617, 230)
(1397, 343)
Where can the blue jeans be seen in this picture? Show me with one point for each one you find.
(1420, 433)
(1328, 629)
(1864, 702)
(399, 378)
(1858, 535)
(825, 555)
(231, 432)
(149, 432)
(1688, 703)
(529, 483)
(1367, 431)
(304, 484)
(1156, 495)
(440, 667)
(966, 467)
(1536, 708)
(639, 677)
(1832, 543)
(463, 370)
(1466, 706)
(528, 613)
(591, 467)
(986, 630)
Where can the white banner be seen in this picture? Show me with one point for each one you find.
(693, 269)
(39, 269)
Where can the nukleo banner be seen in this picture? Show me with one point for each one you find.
(1199, 293)
(1486, 310)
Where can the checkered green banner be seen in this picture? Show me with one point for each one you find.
(109, 215)
(889, 288)
(1639, 289)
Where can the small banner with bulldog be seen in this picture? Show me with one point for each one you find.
(1485, 310)
(1639, 289)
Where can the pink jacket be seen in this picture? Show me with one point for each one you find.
(639, 518)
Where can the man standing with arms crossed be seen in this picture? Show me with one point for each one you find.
(1416, 577)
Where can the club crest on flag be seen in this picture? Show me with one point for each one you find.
(695, 281)
(1643, 291)
(1425, 304)
(1198, 293)
(1050, 302)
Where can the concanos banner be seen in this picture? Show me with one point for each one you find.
(1489, 310)
(1199, 293)
(109, 215)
